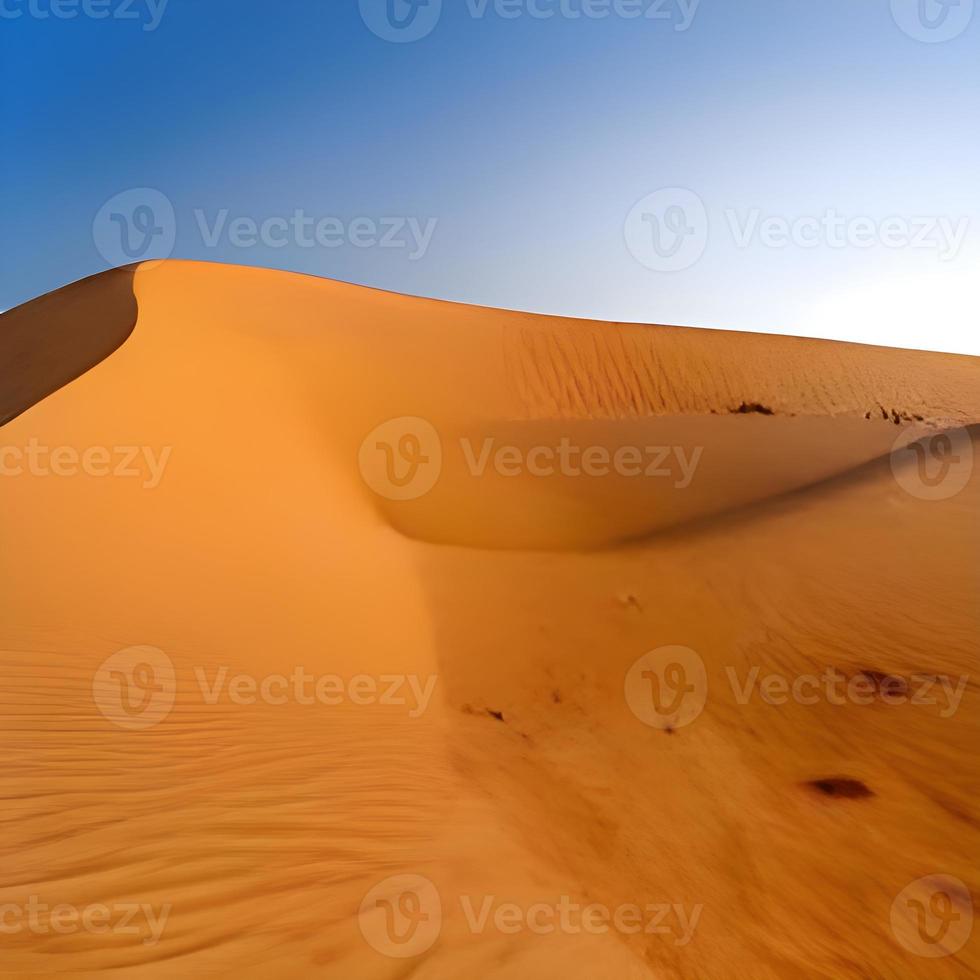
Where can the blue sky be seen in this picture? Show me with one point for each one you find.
(775, 165)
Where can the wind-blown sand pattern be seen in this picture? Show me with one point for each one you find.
(256, 529)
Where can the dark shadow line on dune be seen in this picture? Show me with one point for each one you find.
(727, 517)
(51, 341)
(777, 503)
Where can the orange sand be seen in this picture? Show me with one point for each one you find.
(777, 837)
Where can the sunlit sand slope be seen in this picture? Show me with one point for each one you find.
(346, 634)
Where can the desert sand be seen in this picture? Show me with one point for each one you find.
(261, 472)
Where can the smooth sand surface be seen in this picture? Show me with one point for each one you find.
(775, 838)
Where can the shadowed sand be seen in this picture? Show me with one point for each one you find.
(777, 836)
(50, 341)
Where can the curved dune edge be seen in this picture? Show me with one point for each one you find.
(557, 367)
(565, 368)
(750, 416)
(54, 339)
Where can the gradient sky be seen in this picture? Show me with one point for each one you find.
(527, 140)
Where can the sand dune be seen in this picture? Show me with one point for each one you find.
(51, 341)
(470, 525)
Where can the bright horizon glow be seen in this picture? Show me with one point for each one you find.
(930, 311)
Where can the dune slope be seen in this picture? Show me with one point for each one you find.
(472, 526)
